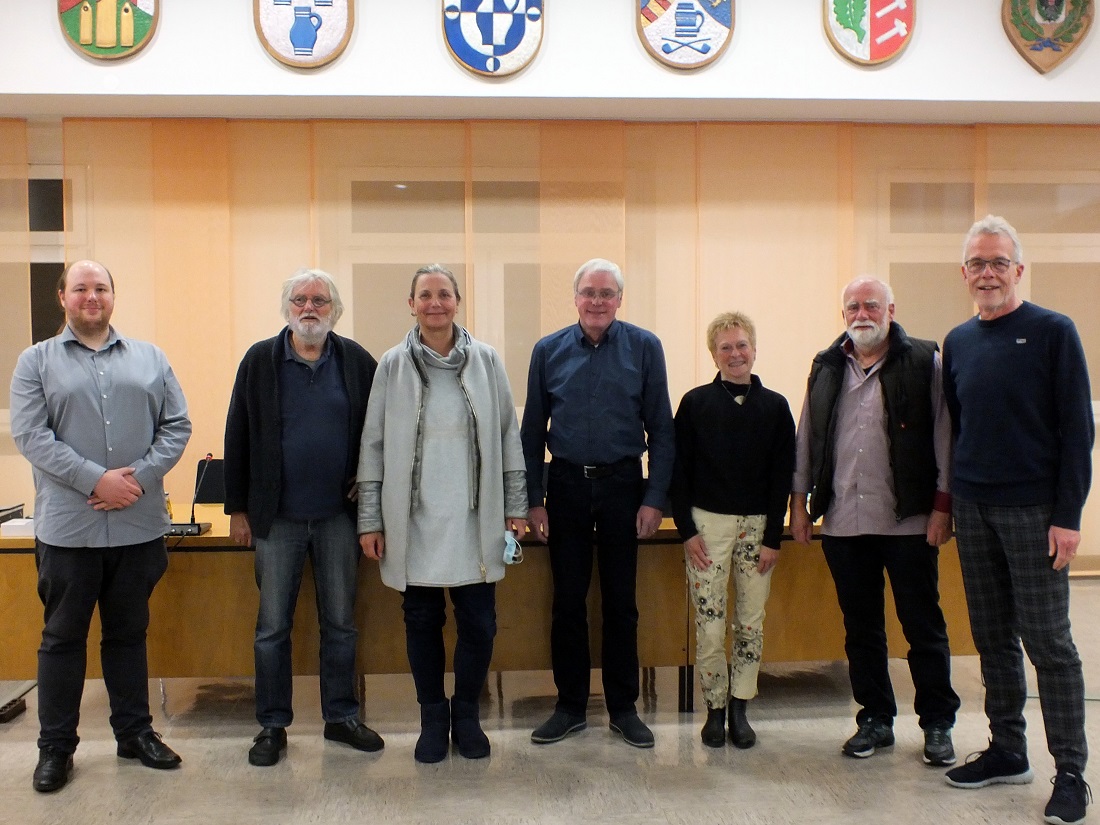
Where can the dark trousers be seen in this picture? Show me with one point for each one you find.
(1014, 596)
(857, 564)
(71, 581)
(576, 506)
(476, 622)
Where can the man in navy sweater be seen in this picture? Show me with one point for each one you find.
(1017, 387)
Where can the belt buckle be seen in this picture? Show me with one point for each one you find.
(590, 468)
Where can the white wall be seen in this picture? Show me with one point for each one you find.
(206, 60)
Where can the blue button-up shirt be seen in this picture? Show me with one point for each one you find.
(78, 412)
(604, 403)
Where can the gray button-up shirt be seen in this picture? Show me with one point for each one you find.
(76, 413)
(863, 484)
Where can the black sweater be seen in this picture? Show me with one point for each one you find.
(731, 458)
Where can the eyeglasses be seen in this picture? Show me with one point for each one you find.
(602, 294)
(976, 266)
(317, 301)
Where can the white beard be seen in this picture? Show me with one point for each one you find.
(311, 332)
(869, 338)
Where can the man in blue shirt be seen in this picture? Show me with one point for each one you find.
(102, 419)
(601, 386)
(291, 454)
(1017, 386)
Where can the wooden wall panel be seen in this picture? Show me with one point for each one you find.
(271, 223)
(192, 274)
(767, 233)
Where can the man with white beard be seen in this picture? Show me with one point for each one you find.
(291, 453)
(873, 458)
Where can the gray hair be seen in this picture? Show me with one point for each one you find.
(308, 276)
(435, 269)
(995, 225)
(869, 279)
(599, 265)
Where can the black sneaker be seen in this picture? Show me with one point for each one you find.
(993, 766)
(557, 727)
(1067, 804)
(938, 750)
(871, 735)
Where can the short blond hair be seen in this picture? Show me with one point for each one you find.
(730, 320)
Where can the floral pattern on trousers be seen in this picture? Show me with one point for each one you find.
(733, 544)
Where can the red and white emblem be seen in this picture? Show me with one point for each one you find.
(870, 31)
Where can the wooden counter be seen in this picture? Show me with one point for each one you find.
(204, 612)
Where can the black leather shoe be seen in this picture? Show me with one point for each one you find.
(713, 733)
(354, 733)
(557, 727)
(52, 771)
(741, 733)
(268, 747)
(149, 748)
(633, 730)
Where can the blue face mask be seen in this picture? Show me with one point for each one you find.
(513, 552)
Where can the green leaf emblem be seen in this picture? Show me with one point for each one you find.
(849, 14)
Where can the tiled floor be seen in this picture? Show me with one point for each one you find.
(794, 775)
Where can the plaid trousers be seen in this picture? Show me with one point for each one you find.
(1013, 596)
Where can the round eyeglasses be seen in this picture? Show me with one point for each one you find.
(316, 301)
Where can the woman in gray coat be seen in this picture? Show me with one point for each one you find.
(440, 480)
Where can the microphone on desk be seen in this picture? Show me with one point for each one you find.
(193, 528)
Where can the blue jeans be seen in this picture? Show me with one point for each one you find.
(71, 582)
(333, 550)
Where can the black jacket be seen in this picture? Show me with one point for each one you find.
(906, 377)
(253, 433)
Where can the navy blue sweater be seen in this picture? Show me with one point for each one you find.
(1021, 410)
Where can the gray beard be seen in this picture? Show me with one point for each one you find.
(314, 336)
(868, 338)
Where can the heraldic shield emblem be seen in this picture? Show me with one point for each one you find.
(304, 33)
(493, 37)
(870, 31)
(685, 34)
(108, 29)
(1045, 32)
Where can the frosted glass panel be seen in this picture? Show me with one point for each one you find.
(931, 207)
(382, 314)
(1048, 207)
(407, 206)
(13, 205)
(1073, 289)
(506, 206)
(930, 299)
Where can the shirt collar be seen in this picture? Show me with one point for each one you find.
(113, 337)
(609, 334)
(290, 355)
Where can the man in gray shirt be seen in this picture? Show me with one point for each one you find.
(102, 419)
(873, 449)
